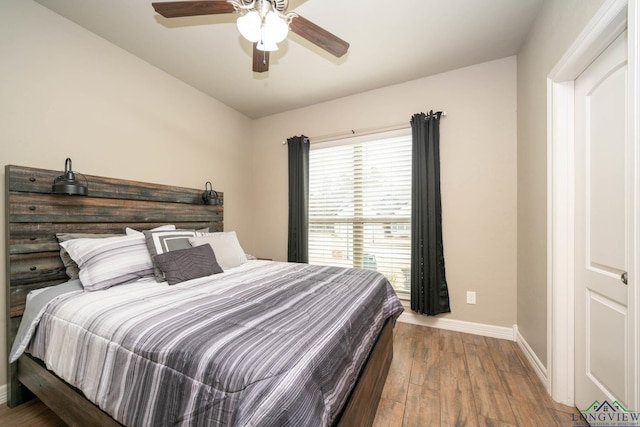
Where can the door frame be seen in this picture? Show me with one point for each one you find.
(609, 22)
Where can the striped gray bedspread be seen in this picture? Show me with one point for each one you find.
(266, 344)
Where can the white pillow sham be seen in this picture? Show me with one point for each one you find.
(225, 245)
(110, 261)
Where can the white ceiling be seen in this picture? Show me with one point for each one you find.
(391, 42)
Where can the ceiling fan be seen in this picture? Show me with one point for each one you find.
(263, 22)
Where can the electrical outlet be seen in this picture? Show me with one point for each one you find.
(471, 297)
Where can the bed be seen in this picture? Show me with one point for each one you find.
(34, 216)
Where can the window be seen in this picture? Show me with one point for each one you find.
(360, 205)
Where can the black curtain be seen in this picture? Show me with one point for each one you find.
(429, 292)
(298, 242)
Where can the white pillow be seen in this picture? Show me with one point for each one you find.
(110, 261)
(131, 231)
(225, 245)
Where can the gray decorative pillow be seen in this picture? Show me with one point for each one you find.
(70, 265)
(185, 264)
(163, 241)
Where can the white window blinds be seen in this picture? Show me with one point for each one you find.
(360, 205)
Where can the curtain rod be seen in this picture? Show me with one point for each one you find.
(359, 132)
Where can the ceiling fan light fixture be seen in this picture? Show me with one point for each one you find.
(263, 25)
(263, 22)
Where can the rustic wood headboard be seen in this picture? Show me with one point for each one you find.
(33, 216)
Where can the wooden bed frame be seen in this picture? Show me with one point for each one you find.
(33, 215)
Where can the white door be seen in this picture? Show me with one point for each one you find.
(603, 243)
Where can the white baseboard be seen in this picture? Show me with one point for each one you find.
(501, 332)
(536, 364)
(3, 394)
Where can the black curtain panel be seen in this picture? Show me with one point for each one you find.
(429, 291)
(298, 244)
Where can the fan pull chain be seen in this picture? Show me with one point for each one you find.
(264, 52)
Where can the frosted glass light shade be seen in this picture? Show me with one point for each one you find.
(276, 28)
(250, 26)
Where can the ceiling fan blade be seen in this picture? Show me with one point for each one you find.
(319, 36)
(260, 60)
(176, 9)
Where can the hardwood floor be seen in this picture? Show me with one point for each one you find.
(437, 378)
(445, 378)
(31, 414)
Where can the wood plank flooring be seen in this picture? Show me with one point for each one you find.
(437, 378)
(31, 414)
(445, 378)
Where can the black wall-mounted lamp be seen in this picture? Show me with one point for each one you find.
(210, 196)
(68, 184)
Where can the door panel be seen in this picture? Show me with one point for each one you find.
(606, 330)
(602, 249)
(606, 178)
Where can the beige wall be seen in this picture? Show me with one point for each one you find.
(478, 157)
(66, 92)
(557, 26)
